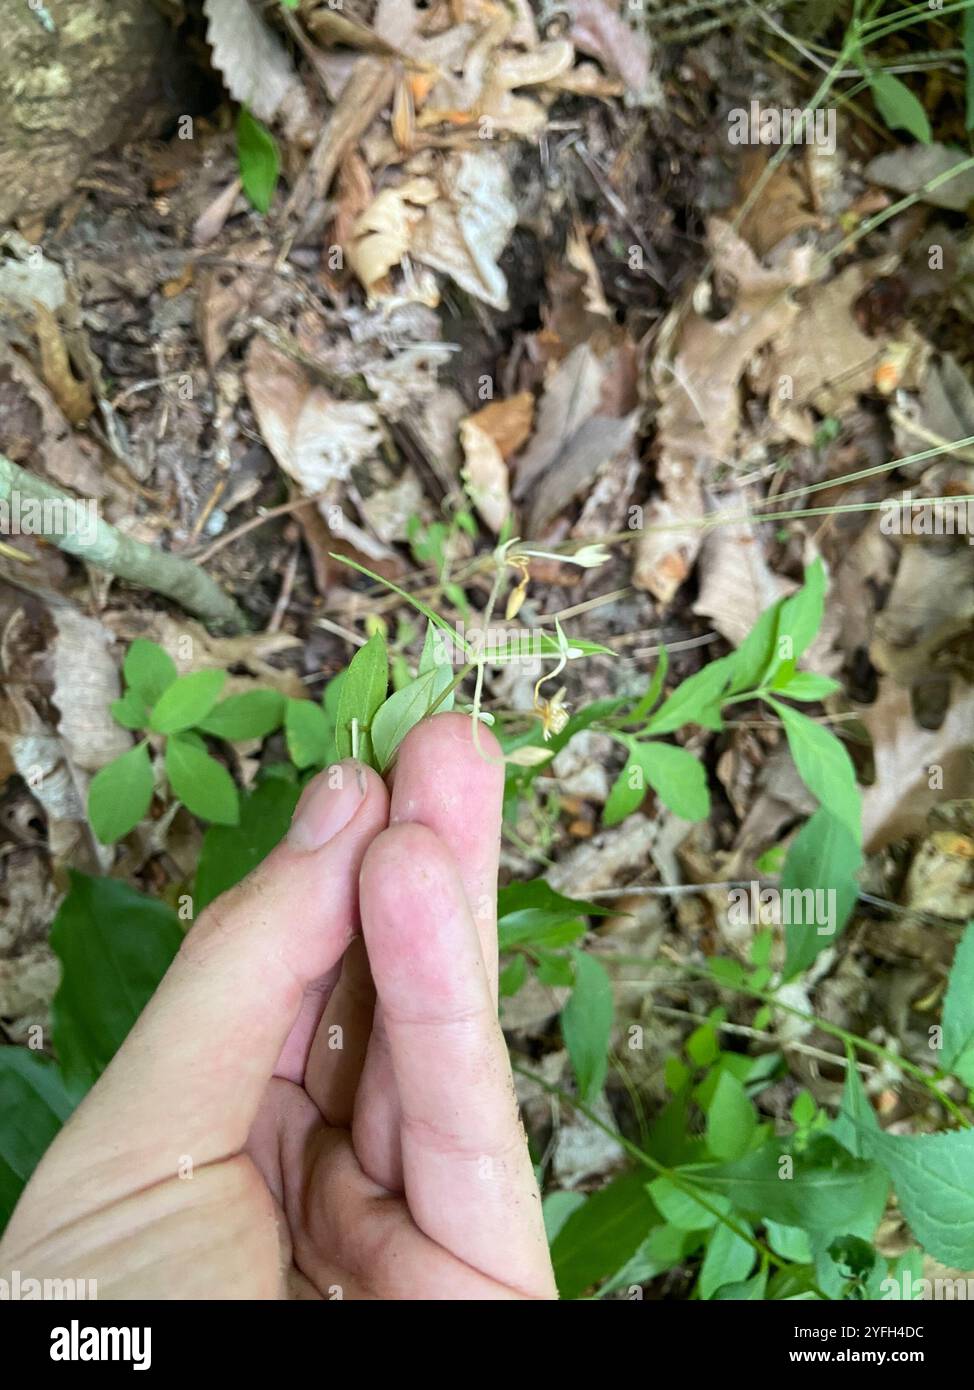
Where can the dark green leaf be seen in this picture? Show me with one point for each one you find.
(596, 1240)
(203, 785)
(363, 691)
(677, 778)
(731, 1120)
(586, 1024)
(114, 945)
(729, 1260)
(821, 869)
(958, 1011)
(642, 709)
(254, 714)
(899, 107)
(258, 158)
(404, 709)
(230, 852)
(187, 701)
(512, 976)
(35, 1102)
(534, 914)
(120, 794)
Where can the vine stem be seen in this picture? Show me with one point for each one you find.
(823, 1024)
(75, 527)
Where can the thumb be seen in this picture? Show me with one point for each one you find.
(187, 1082)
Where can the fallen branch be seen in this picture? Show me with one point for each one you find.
(75, 527)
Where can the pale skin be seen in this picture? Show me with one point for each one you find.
(233, 1150)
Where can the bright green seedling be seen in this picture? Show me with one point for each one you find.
(258, 158)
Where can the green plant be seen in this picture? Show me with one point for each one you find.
(258, 158)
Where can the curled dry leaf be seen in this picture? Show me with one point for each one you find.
(383, 233)
(600, 31)
(72, 395)
(910, 167)
(485, 474)
(315, 439)
(255, 65)
(915, 768)
(931, 602)
(465, 231)
(86, 682)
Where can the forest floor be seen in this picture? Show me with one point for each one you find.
(517, 279)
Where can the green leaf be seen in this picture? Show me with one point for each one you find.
(682, 1209)
(803, 685)
(933, 1175)
(677, 778)
(821, 867)
(230, 852)
(731, 1120)
(512, 976)
(310, 737)
(533, 914)
(258, 158)
(148, 669)
(187, 701)
(823, 765)
(203, 785)
(664, 1248)
(557, 1207)
(790, 1242)
(114, 945)
(642, 709)
(751, 1291)
(363, 691)
(35, 1102)
(130, 711)
(899, 107)
(729, 1260)
(800, 615)
(827, 1191)
(120, 794)
(696, 700)
(958, 1010)
(403, 710)
(597, 1239)
(627, 795)
(586, 1025)
(254, 714)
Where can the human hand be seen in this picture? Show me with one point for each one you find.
(232, 1150)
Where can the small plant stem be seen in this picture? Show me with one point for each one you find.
(173, 576)
(824, 1026)
(688, 1187)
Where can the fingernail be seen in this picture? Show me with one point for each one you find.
(327, 805)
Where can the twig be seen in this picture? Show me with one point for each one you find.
(93, 540)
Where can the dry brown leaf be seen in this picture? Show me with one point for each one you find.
(384, 231)
(85, 681)
(508, 422)
(254, 64)
(699, 388)
(916, 769)
(736, 582)
(780, 211)
(72, 395)
(465, 231)
(931, 602)
(485, 474)
(212, 219)
(67, 459)
(224, 294)
(315, 439)
(368, 89)
(601, 444)
(572, 394)
(602, 33)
